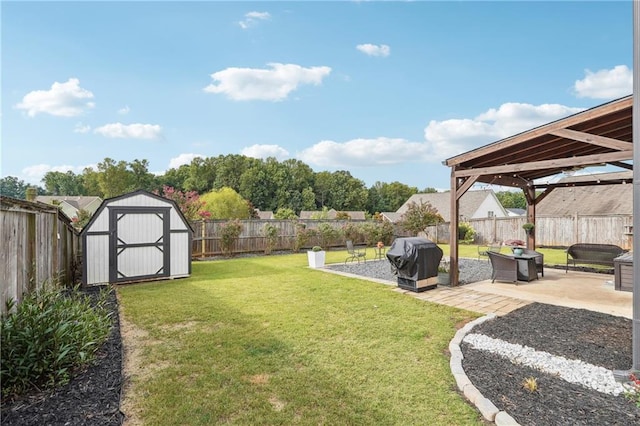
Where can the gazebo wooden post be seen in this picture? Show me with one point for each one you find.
(530, 195)
(453, 234)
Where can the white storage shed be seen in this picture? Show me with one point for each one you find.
(136, 237)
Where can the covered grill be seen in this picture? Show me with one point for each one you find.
(415, 261)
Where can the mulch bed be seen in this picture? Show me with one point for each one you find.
(592, 337)
(92, 396)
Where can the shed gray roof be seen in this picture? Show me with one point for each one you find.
(589, 200)
(469, 203)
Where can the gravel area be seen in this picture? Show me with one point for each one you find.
(471, 270)
(571, 352)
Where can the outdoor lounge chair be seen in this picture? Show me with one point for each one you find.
(355, 254)
(505, 268)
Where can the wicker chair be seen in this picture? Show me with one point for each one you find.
(505, 268)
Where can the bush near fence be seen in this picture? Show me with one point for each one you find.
(207, 239)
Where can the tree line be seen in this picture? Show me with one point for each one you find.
(267, 184)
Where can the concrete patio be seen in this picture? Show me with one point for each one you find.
(573, 289)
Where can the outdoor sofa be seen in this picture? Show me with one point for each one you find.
(592, 254)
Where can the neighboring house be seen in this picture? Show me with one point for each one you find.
(266, 215)
(392, 217)
(331, 214)
(616, 199)
(473, 204)
(516, 212)
(70, 205)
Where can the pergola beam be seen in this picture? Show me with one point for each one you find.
(585, 160)
(603, 141)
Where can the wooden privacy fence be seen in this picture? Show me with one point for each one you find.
(207, 240)
(39, 244)
(550, 231)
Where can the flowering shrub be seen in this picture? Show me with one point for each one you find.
(230, 232)
(189, 202)
(634, 393)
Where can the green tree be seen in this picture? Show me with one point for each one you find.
(341, 191)
(11, 186)
(419, 216)
(225, 204)
(388, 197)
(114, 178)
(201, 175)
(284, 213)
(175, 178)
(64, 183)
(512, 199)
(91, 181)
(141, 178)
(229, 170)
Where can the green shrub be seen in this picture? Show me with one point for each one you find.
(270, 233)
(47, 335)
(303, 237)
(375, 231)
(229, 233)
(328, 234)
(466, 233)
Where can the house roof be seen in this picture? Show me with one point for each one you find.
(469, 203)
(589, 200)
(79, 202)
(264, 214)
(393, 217)
(331, 214)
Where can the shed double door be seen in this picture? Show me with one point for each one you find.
(139, 243)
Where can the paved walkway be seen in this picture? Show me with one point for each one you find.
(465, 298)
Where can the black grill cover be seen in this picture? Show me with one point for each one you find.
(414, 258)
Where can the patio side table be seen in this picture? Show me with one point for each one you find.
(380, 252)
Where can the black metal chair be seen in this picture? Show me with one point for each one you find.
(505, 268)
(355, 254)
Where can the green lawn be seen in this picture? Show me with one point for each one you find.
(266, 340)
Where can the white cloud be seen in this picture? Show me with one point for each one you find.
(183, 159)
(364, 152)
(131, 131)
(274, 84)
(451, 137)
(443, 139)
(34, 174)
(124, 111)
(605, 84)
(374, 49)
(265, 151)
(81, 128)
(62, 100)
(252, 18)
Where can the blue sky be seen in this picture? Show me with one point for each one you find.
(385, 90)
